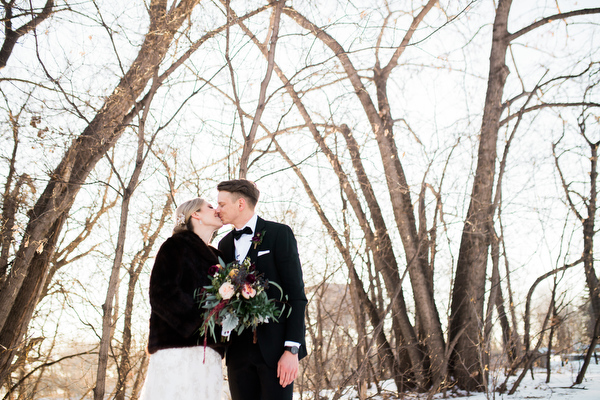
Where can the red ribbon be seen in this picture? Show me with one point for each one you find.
(212, 312)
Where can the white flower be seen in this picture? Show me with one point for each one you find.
(180, 219)
(227, 290)
(230, 322)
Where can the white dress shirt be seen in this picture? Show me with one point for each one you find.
(242, 245)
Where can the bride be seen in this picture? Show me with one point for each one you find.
(181, 366)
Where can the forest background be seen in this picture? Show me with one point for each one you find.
(437, 161)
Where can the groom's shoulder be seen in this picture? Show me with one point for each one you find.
(270, 223)
(276, 226)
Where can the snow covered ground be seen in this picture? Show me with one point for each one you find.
(561, 379)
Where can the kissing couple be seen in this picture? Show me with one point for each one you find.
(262, 364)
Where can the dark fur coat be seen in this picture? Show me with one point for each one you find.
(180, 267)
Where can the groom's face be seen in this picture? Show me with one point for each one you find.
(228, 208)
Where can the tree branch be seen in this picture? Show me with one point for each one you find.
(551, 18)
(407, 37)
(12, 36)
(547, 105)
(249, 140)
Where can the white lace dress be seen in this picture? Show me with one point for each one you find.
(184, 374)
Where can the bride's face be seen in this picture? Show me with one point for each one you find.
(209, 216)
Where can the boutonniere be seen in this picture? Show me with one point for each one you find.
(258, 238)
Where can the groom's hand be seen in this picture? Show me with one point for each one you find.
(287, 368)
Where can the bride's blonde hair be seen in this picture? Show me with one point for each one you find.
(184, 212)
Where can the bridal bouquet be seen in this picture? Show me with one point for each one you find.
(236, 299)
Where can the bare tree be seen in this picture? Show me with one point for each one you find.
(250, 137)
(529, 354)
(133, 272)
(143, 150)
(14, 12)
(13, 197)
(27, 271)
(469, 359)
(21, 288)
(589, 203)
(588, 354)
(588, 222)
(381, 122)
(469, 286)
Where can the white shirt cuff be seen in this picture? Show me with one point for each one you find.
(291, 344)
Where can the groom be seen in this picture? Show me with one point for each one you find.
(264, 370)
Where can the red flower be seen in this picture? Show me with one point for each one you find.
(212, 270)
(258, 238)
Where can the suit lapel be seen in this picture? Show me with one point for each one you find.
(253, 252)
(227, 248)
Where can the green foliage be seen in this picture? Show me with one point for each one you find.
(237, 299)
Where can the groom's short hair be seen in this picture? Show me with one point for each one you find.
(241, 188)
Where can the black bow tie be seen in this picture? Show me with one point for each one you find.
(238, 234)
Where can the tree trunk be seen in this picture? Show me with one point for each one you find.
(107, 307)
(509, 339)
(588, 253)
(383, 347)
(553, 324)
(590, 351)
(134, 273)
(396, 180)
(139, 377)
(415, 250)
(385, 261)
(469, 284)
(19, 292)
(24, 302)
(588, 234)
(362, 350)
(494, 292)
(384, 258)
(113, 285)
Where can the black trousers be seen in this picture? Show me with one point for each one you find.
(250, 378)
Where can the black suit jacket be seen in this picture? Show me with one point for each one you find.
(280, 263)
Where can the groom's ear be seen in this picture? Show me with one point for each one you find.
(241, 203)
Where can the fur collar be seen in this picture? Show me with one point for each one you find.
(205, 251)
